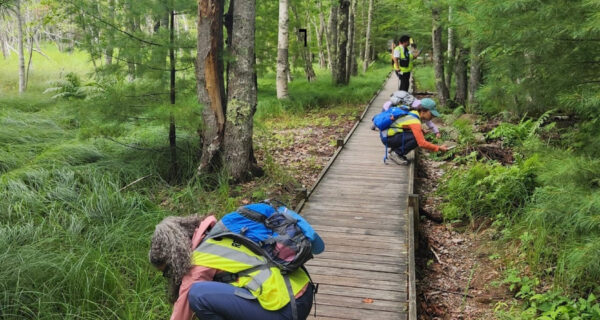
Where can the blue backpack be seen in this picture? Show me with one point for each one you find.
(273, 231)
(386, 118)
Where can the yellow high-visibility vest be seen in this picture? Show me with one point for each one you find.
(403, 121)
(403, 56)
(265, 282)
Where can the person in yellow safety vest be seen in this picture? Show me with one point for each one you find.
(403, 62)
(219, 279)
(406, 133)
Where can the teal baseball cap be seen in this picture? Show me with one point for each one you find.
(429, 104)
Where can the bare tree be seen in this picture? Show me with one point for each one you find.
(438, 58)
(209, 79)
(17, 11)
(320, 31)
(368, 37)
(282, 51)
(333, 38)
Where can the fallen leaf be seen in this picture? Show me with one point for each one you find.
(367, 300)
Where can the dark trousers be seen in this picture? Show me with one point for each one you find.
(402, 142)
(221, 301)
(404, 80)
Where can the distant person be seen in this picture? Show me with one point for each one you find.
(403, 62)
(406, 133)
(192, 286)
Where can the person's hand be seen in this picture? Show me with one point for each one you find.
(443, 148)
(438, 135)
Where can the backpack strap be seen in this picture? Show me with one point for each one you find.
(293, 303)
(251, 214)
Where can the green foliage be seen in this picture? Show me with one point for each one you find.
(516, 134)
(487, 190)
(71, 88)
(548, 305)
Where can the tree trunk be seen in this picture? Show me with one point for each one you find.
(17, 12)
(29, 60)
(282, 51)
(438, 58)
(333, 39)
(474, 74)
(342, 43)
(325, 29)
(350, 47)
(320, 30)
(461, 77)
(3, 46)
(174, 170)
(304, 48)
(451, 51)
(241, 95)
(209, 79)
(368, 38)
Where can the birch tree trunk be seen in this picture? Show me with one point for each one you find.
(304, 49)
(461, 77)
(368, 38)
(451, 51)
(241, 95)
(333, 39)
(3, 46)
(282, 51)
(209, 79)
(17, 11)
(342, 43)
(325, 34)
(474, 74)
(438, 58)
(350, 61)
(319, 31)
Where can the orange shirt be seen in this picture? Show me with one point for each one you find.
(418, 133)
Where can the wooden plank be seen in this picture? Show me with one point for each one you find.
(345, 249)
(358, 314)
(364, 224)
(348, 230)
(358, 302)
(349, 281)
(399, 278)
(363, 293)
(358, 265)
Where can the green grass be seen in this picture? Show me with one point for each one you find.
(73, 241)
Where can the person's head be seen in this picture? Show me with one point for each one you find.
(171, 249)
(404, 40)
(427, 109)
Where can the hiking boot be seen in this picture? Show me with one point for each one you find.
(398, 159)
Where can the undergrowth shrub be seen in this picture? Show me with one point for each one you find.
(487, 189)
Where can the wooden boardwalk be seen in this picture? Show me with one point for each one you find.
(359, 207)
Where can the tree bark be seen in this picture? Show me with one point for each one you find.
(325, 29)
(174, 170)
(209, 79)
(451, 51)
(368, 38)
(460, 96)
(320, 30)
(350, 61)
(333, 39)
(3, 46)
(342, 43)
(282, 51)
(17, 11)
(474, 74)
(241, 95)
(438, 58)
(29, 60)
(304, 50)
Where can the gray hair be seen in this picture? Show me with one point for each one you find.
(171, 247)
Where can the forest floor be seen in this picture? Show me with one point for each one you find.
(457, 264)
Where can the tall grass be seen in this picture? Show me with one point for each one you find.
(74, 234)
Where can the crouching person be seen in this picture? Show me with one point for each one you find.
(199, 276)
(406, 133)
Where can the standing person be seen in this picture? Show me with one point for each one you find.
(191, 272)
(406, 133)
(403, 62)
